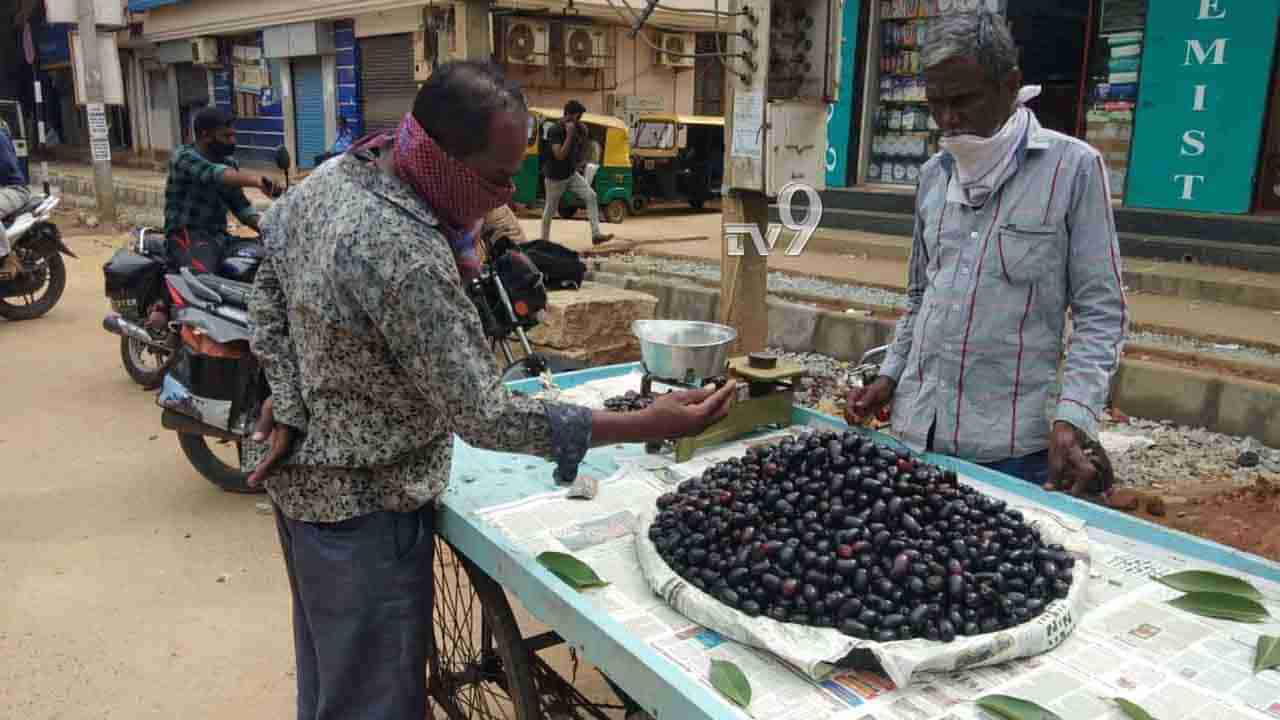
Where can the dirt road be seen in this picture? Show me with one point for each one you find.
(111, 546)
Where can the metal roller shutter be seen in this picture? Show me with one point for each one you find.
(308, 109)
(387, 87)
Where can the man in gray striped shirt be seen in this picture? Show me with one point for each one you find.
(1013, 228)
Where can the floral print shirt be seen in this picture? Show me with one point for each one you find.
(375, 353)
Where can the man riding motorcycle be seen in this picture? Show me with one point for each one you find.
(204, 184)
(13, 195)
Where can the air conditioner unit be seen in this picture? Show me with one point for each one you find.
(204, 52)
(585, 46)
(675, 43)
(526, 42)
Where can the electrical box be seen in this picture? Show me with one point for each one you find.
(796, 149)
(679, 49)
(526, 42)
(434, 45)
(585, 46)
(298, 40)
(785, 73)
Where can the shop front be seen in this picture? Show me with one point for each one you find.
(1179, 96)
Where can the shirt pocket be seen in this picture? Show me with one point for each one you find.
(1025, 252)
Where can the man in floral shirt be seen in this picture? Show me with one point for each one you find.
(376, 358)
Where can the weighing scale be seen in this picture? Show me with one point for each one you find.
(764, 399)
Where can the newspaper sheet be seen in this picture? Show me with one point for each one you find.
(1129, 644)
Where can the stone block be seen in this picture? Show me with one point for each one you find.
(596, 356)
(692, 302)
(847, 337)
(593, 316)
(791, 326)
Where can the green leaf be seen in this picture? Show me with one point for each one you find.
(571, 570)
(1012, 708)
(1221, 606)
(729, 680)
(1268, 655)
(1193, 581)
(1133, 711)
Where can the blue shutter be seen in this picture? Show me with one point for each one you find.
(308, 109)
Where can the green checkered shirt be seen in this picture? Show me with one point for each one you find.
(196, 199)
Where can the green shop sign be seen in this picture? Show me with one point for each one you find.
(1206, 68)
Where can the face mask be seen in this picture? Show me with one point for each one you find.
(453, 190)
(221, 149)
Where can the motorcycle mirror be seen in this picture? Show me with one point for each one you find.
(283, 159)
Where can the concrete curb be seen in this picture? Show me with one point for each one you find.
(1187, 286)
(1227, 405)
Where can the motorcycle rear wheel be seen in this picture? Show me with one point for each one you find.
(53, 273)
(133, 355)
(212, 468)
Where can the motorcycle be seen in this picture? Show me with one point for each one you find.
(211, 387)
(142, 303)
(38, 244)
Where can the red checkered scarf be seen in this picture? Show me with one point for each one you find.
(457, 194)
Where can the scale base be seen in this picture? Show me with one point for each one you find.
(765, 398)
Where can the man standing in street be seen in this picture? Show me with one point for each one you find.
(376, 359)
(204, 184)
(1013, 228)
(13, 195)
(567, 140)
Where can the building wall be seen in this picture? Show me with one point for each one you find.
(348, 67)
(636, 74)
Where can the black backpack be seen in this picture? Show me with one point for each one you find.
(561, 267)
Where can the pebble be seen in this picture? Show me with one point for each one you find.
(263, 508)
(1179, 457)
(223, 577)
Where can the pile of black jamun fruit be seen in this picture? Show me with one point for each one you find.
(837, 531)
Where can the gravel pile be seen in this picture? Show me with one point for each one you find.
(1180, 457)
(844, 292)
(778, 281)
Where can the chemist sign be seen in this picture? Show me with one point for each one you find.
(1202, 99)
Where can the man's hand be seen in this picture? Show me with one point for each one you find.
(688, 412)
(867, 401)
(1069, 466)
(280, 437)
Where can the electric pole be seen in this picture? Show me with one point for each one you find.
(95, 107)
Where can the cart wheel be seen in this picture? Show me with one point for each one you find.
(479, 665)
(616, 211)
(568, 213)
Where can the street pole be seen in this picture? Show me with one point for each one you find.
(95, 107)
(744, 279)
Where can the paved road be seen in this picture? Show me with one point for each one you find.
(111, 546)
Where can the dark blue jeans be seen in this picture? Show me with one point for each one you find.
(362, 600)
(1032, 468)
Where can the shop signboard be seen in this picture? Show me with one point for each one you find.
(840, 114)
(1202, 97)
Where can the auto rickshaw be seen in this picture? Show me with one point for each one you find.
(612, 165)
(677, 156)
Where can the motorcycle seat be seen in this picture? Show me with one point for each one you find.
(30, 205)
(235, 293)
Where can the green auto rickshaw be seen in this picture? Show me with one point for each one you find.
(607, 165)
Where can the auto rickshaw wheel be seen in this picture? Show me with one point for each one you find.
(697, 202)
(638, 204)
(568, 213)
(616, 211)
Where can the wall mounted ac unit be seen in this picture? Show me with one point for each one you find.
(204, 52)
(675, 43)
(585, 46)
(525, 42)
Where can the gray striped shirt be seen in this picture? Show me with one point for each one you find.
(977, 355)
